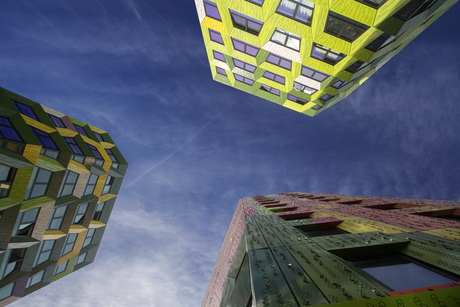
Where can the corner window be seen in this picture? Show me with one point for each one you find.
(49, 148)
(44, 252)
(38, 183)
(12, 261)
(300, 10)
(107, 185)
(380, 42)
(77, 153)
(69, 243)
(57, 215)
(246, 23)
(99, 137)
(243, 79)
(25, 109)
(61, 268)
(245, 47)
(274, 77)
(303, 88)
(344, 27)
(279, 61)
(216, 37)
(56, 121)
(81, 130)
(326, 55)
(68, 183)
(81, 258)
(99, 160)
(7, 174)
(286, 39)
(98, 211)
(89, 237)
(269, 89)
(211, 10)
(218, 56)
(115, 163)
(35, 279)
(244, 65)
(297, 99)
(313, 74)
(80, 214)
(90, 184)
(25, 223)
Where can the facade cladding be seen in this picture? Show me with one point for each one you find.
(308, 55)
(299, 249)
(59, 181)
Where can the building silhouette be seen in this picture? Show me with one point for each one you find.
(59, 181)
(308, 55)
(301, 249)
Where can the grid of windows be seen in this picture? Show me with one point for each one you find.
(313, 74)
(211, 10)
(300, 10)
(77, 153)
(246, 23)
(57, 215)
(25, 223)
(35, 279)
(81, 258)
(303, 88)
(25, 109)
(216, 37)
(38, 183)
(115, 163)
(344, 27)
(279, 61)
(274, 77)
(221, 71)
(6, 179)
(56, 121)
(89, 237)
(218, 56)
(44, 251)
(99, 160)
(81, 130)
(90, 184)
(269, 89)
(244, 79)
(68, 183)
(107, 185)
(49, 147)
(297, 99)
(286, 38)
(98, 211)
(69, 243)
(245, 47)
(61, 268)
(80, 214)
(326, 55)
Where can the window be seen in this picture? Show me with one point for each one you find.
(6, 291)
(115, 163)
(326, 55)
(80, 214)
(413, 8)
(246, 23)
(98, 137)
(107, 185)
(49, 148)
(279, 61)
(69, 243)
(258, 2)
(244, 65)
(219, 56)
(316, 107)
(245, 47)
(57, 215)
(25, 223)
(244, 79)
(270, 89)
(274, 77)
(81, 258)
(220, 71)
(344, 27)
(81, 130)
(56, 121)
(7, 130)
(12, 261)
(297, 99)
(286, 38)
(313, 74)
(35, 279)
(300, 10)
(216, 37)
(61, 268)
(44, 252)
(355, 66)
(326, 97)
(25, 109)
(98, 211)
(38, 183)
(68, 183)
(303, 88)
(211, 10)
(373, 3)
(77, 153)
(90, 184)
(6, 179)
(338, 83)
(88, 237)
(380, 42)
(99, 160)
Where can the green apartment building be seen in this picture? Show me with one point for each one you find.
(308, 55)
(59, 178)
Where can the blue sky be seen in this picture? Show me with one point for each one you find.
(138, 70)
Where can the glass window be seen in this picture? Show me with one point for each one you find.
(413, 8)
(344, 27)
(221, 71)
(98, 137)
(274, 77)
(69, 243)
(258, 2)
(44, 252)
(300, 10)
(6, 291)
(49, 147)
(56, 121)
(80, 214)
(216, 37)
(98, 211)
(90, 184)
(12, 261)
(57, 215)
(244, 65)
(380, 42)
(211, 9)
(245, 47)
(316, 107)
(81, 258)
(115, 163)
(6, 179)
(35, 279)
(7, 130)
(107, 185)
(313, 74)
(89, 237)
(373, 3)
(99, 160)
(244, 79)
(38, 183)
(61, 268)
(338, 83)
(279, 61)
(326, 97)
(218, 56)
(303, 88)
(355, 66)
(297, 99)
(270, 89)
(77, 153)
(25, 223)
(246, 23)
(286, 38)
(25, 109)
(68, 183)
(326, 55)
(81, 130)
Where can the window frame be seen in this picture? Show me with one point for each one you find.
(30, 224)
(288, 35)
(217, 55)
(243, 79)
(211, 31)
(79, 257)
(81, 130)
(107, 184)
(99, 137)
(53, 217)
(296, 10)
(207, 3)
(244, 65)
(8, 182)
(42, 251)
(33, 183)
(314, 73)
(49, 147)
(80, 216)
(278, 63)
(57, 122)
(70, 236)
(25, 109)
(89, 235)
(15, 256)
(31, 282)
(65, 183)
(256, 2)
(89, 187)
(98, 211)
(115, 163)
(247, 20)
(327, 52)
(303, 88)
(77, 153)
(334, 19)
(58, 269)
(270, 89)
(297, 100)
(246, 45)
(275, 77)
(99, 160)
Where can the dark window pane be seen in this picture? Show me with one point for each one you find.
(25, 109)
(211, 9)
(56, 121)
(216, 37)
